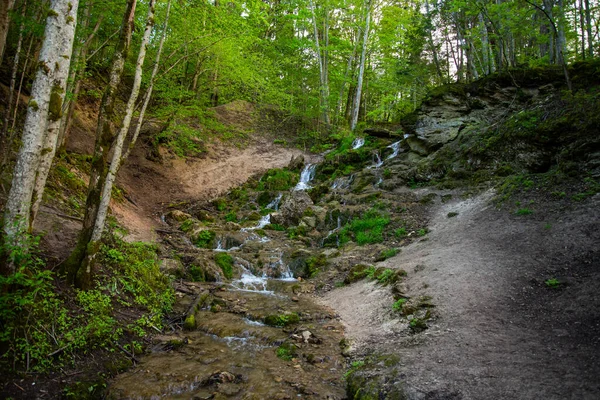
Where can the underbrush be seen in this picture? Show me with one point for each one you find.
(278, 179)
(45, 325)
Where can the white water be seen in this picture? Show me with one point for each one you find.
(377, 160)
(396, 147)
(358, 143)
(264, 221)
(274, 205)
(307, 175)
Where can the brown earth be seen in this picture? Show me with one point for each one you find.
(498, 332)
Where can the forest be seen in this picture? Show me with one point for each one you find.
(316, 75)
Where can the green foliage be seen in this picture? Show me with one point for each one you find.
(294, 232)
(190, 322)
(225, 261)
(187, 225)
(452, 214)
(422, 232)
(281, 320)
(275, 227)
(365, 230)
(38, 325)
(278, 179)
(387, 253)
(591, 187)
(354, 366)
(315, 264)
(204, 238)
(286, 351)
(400, 232)
(197, 273)
(552, 283)
(397, 306)
(231, 216)
(221, 204)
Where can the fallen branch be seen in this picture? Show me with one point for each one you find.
(62, 215)
(129, 354)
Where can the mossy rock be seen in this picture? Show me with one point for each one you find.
(357, 273)
(281, 320)
(190, 323)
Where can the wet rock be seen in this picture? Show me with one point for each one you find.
(170, 266)
(177, 216)
(232, 226)
(292, 208)
(296, 163)
(308, 221)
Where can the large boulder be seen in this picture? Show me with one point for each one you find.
(292, 209)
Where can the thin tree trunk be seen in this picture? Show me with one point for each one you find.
(44, 107)
(104, 139)
(323, 89)
(148, 94)
(436, 60)
(13, 75)
(588, 20)
(5, 8)
(76, 74)
(361, 70)
(116, 158)
(345, 81)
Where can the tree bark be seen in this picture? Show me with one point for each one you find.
(361, 69)
(148, 94)
(13, 76)
(104, 140)
(324, 88)
(44, 106)
(5, 8)
(588, 20)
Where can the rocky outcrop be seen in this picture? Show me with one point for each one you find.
(292, 209)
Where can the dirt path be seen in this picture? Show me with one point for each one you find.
(500, 332)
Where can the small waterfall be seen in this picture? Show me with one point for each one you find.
(396, 147)
(358, 143)
(342, 183)
(220, 246)
(249, 282)
(378, 162)
(264, 221)
(285, 274)
(307, 175)
(274, 205)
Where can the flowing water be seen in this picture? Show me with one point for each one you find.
(306, 176)
(358, 143)
(396, 149)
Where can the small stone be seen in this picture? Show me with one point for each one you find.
(295, 299)
(278, 379)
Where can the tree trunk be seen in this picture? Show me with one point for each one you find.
(148, 94)
(5, 9)
(345, 81)
(116, 157)
(323, 89)
(588, 20)
(44, 106)
(361, 69)
(77, 274)
(13, 76)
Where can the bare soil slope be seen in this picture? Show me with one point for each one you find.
(499, 332)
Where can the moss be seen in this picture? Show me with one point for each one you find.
(190, 323)
(286, 351)
(315, 264)
(33, 105)
(205, 239)
(281, 320)
(197, 273)
(225, 261)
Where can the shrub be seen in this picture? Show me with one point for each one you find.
(231, 216)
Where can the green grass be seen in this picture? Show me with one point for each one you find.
(387, 253)
(278, 179)
(452, 214)
(366, 230)
(204, 239)
(552, 283)
(400, 232)
(397, 306)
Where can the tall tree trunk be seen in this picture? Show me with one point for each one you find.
(148, 94)
(13, 75)
(323, 89)
(345, 81)
(76, 74)
(588, 25)
(44, 107)
(361, 69)
(582, 27)
(434, 53)
(115, 162)
(5, 9)
(104, 139)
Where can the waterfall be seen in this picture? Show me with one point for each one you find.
(307, 175)
(396, 147)
(274, 205)
(377, 160)
(358, 143)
